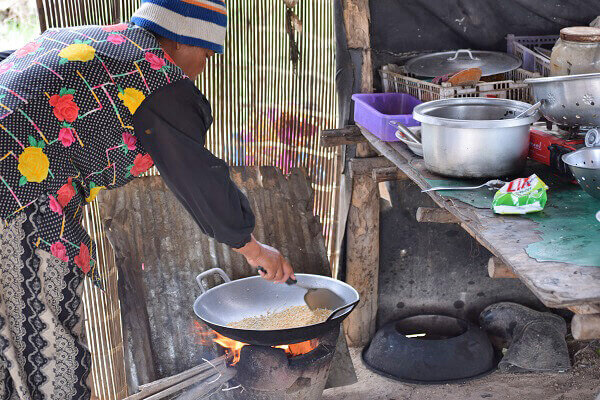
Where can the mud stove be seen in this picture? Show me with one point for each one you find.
(290, 372)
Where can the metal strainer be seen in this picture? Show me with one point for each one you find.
(585, 166)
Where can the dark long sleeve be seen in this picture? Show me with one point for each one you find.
(5, 54)
(171, 124)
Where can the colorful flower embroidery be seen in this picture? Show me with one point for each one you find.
(129, 140)
(77, 52)
(168, 57)
(33, 163)
(66, 137)
(94, 190)
(29, 48)
(5, 67)
(66, 193)
(59, 251)
(55, 205)
(82, 260)
(115, 28)
(141, 164)
(116, 39)
(64, 107)
(132, 98)
(155, 61)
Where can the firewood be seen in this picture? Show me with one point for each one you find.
(586, 326)
(159, 389)
(497, 269)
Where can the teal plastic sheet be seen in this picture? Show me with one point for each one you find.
(568, 227)
(479, 198)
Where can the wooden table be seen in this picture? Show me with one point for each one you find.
(556, 284)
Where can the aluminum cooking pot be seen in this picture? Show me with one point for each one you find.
(473, 137)
(572, 100)
(233, 301)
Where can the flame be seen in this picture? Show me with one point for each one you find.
(233, 348)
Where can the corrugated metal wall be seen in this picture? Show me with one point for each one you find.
(266, 113)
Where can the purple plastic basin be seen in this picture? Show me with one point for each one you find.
(374, 111)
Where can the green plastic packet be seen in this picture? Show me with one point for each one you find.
(521, 196)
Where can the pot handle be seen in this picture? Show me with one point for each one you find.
(404, 130)
(204, 274)
(337, 310)
(462, 51)
(530, 111)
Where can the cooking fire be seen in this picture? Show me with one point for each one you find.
(233, 347)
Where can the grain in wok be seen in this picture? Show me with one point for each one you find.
(293, 317)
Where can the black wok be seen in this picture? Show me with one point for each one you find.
(233, 301)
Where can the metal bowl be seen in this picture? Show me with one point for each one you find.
(585, 166)
(415, 147)
(572, 100)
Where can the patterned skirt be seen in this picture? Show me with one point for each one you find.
(42, 351)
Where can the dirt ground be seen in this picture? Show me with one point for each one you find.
(581, 383)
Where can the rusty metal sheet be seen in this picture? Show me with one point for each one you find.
(159, 250)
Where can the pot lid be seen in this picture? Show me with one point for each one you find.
(451, 62)
(587, 34)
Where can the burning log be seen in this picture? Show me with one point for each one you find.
(296, 371)
(233, 348)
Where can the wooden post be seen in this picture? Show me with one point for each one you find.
(586, 326)
(357, 18)
(362, 255)
(362, 259)
(497, 269)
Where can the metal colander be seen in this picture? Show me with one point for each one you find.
(585, 166)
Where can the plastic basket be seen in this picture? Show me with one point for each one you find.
(375, 111)
(522, 47)
(395, 80)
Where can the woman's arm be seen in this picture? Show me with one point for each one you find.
(5, 54)
(171, 124)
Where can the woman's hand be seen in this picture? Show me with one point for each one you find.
(260, 255)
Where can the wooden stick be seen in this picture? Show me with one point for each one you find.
(365, 166)
(182, 380)
(435, 215)
(336, 137)
(498, 269)
(586, 309)
(208, 376)
(199, 392)
(172, 380)
(385, 174)
(586, 327)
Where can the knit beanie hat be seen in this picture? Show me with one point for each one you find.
(199, 23)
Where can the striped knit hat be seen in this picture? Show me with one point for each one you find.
(199, 23)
